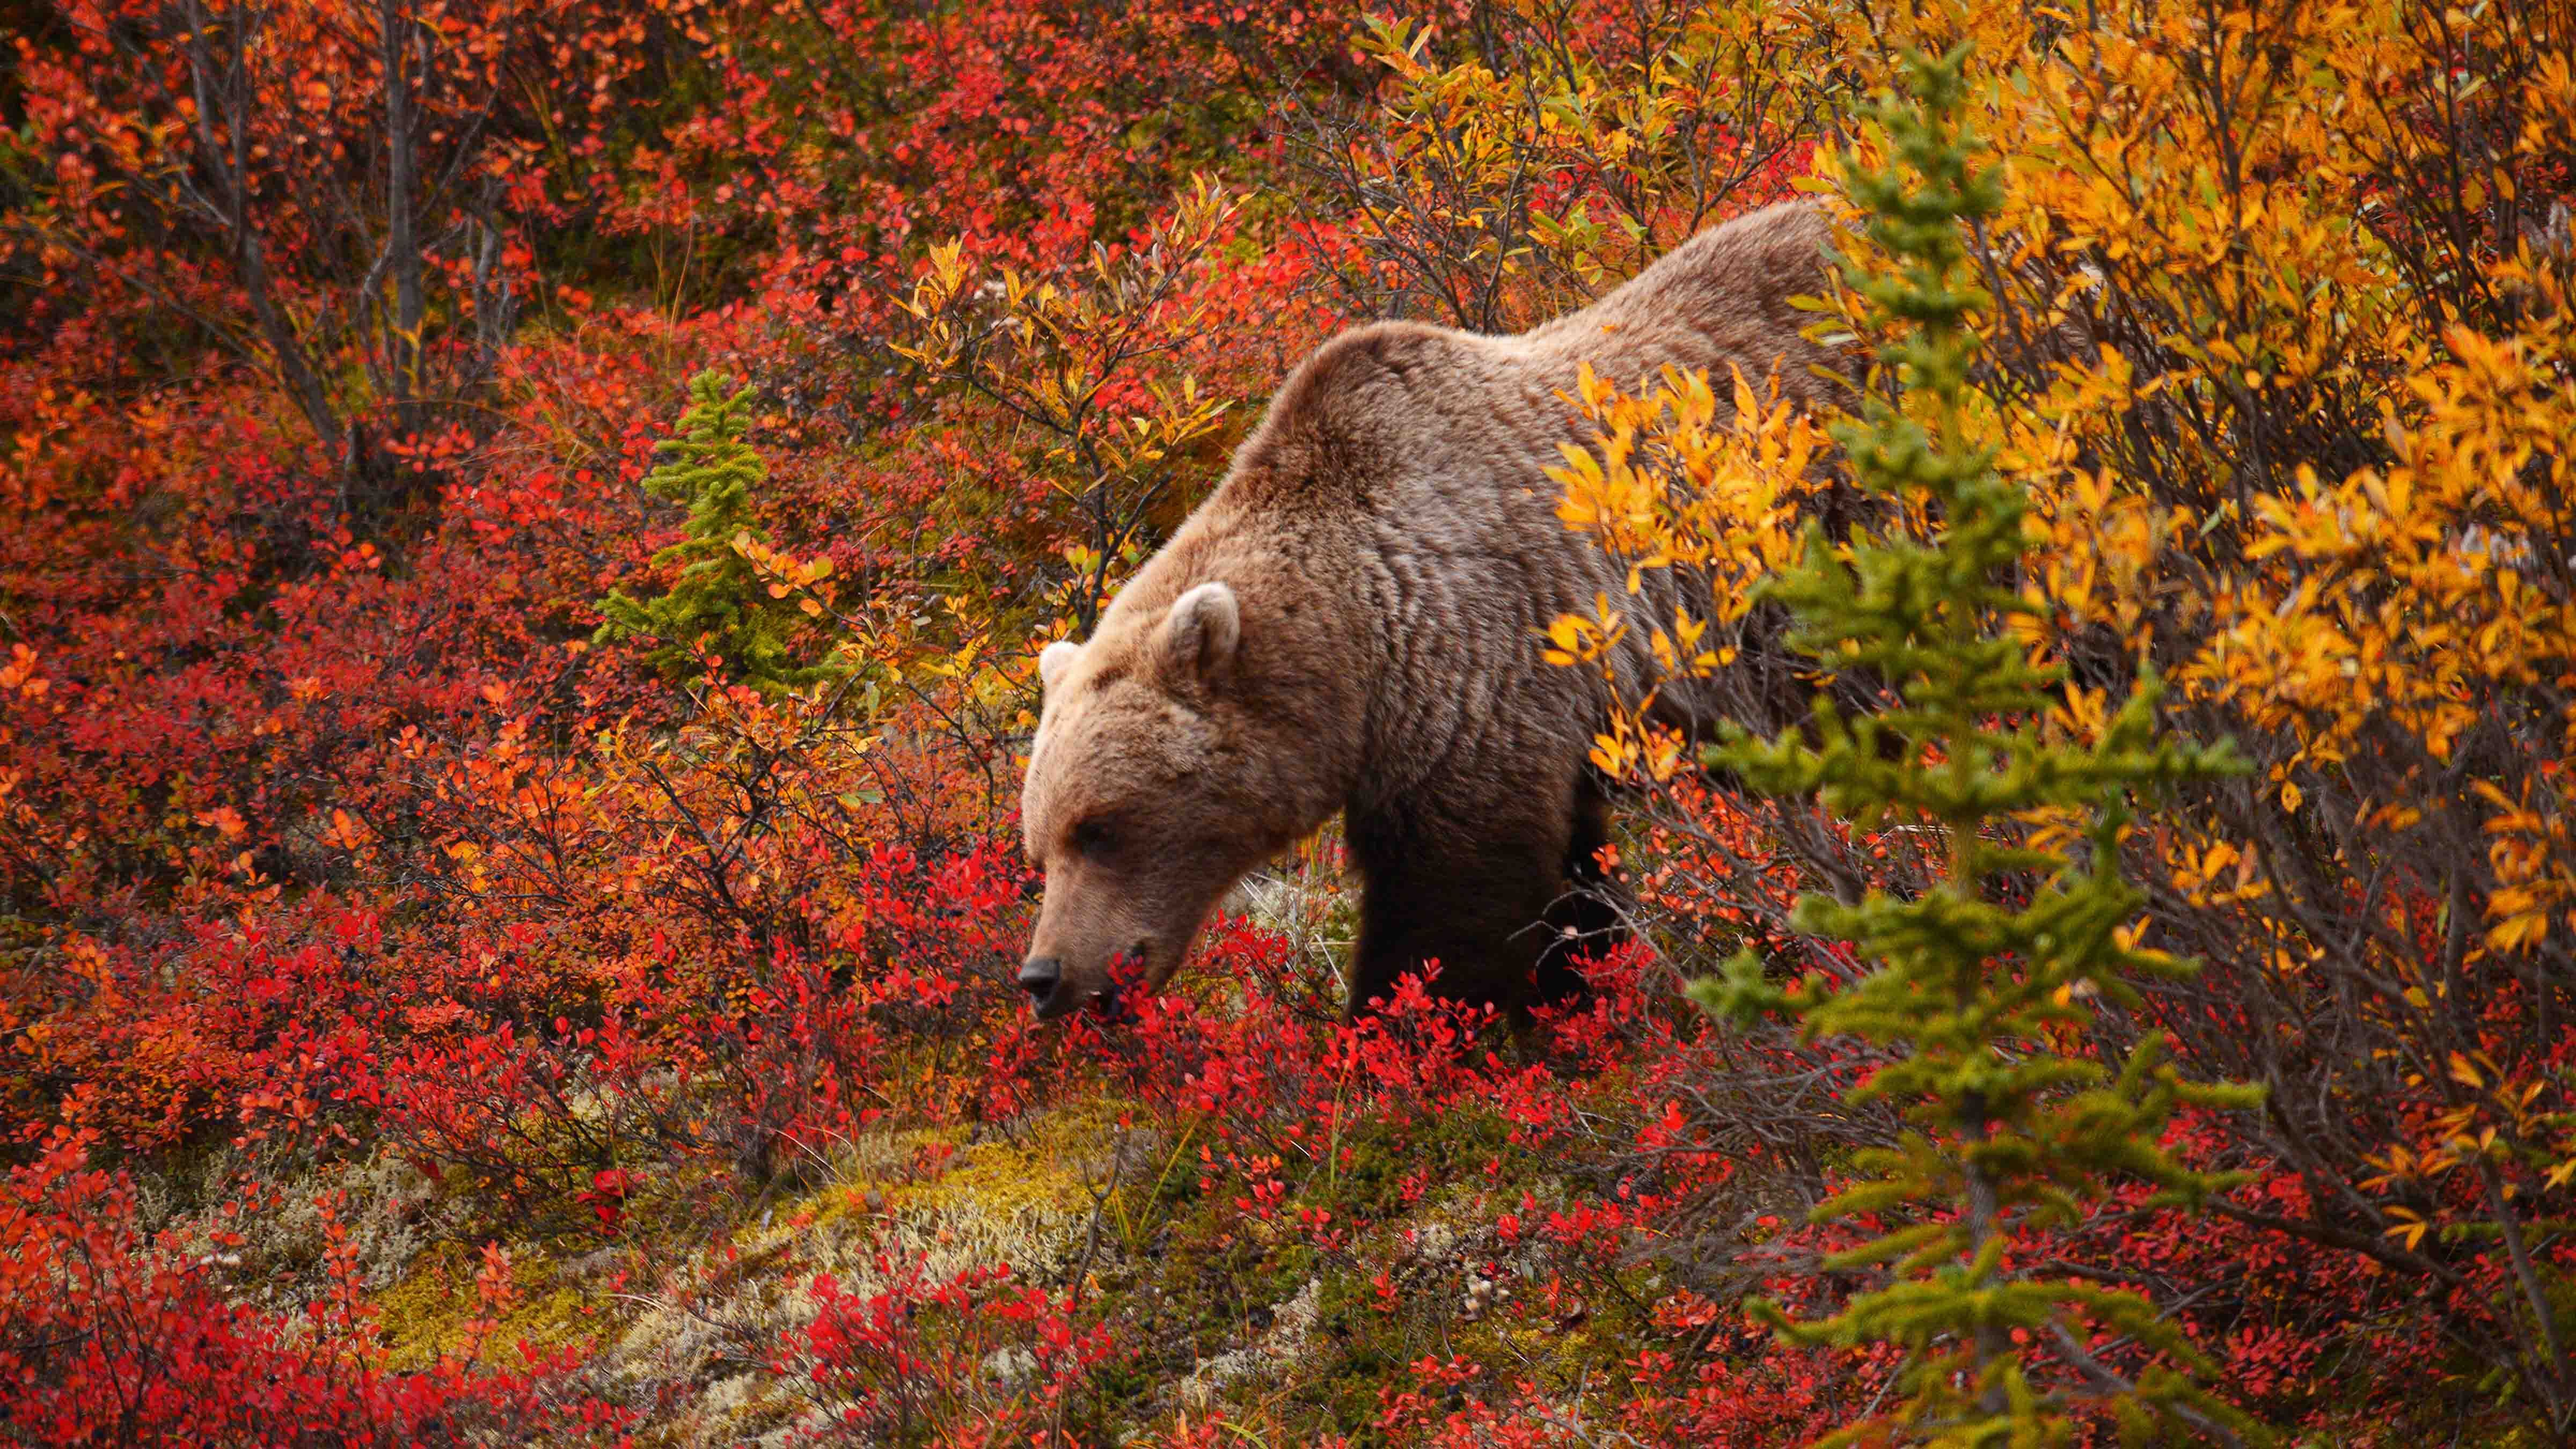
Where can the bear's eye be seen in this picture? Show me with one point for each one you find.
(1094, 838)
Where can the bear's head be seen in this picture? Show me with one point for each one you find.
(1157, 779)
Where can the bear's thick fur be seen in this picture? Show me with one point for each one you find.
(1353, 623)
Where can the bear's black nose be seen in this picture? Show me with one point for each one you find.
(1039, 977)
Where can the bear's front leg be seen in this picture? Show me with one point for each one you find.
(1479, 891)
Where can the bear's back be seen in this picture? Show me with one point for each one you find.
(1389, 399)
(1721, 299)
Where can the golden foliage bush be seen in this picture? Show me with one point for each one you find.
(2277, 342)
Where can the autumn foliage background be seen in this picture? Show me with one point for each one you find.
(429, 1017)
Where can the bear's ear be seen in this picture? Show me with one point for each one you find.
(1053, 661)
(1200, 633)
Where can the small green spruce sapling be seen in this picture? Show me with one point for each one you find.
(720, 604)
(1975, 999)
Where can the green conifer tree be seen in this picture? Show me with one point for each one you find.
(720, 603)
(1973, 996)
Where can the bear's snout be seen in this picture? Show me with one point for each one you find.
(1040, 976)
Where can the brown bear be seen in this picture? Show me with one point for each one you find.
(1352, 622)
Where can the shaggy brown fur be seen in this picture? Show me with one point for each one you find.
(1352, 623)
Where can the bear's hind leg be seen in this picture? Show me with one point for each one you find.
(1584, 919)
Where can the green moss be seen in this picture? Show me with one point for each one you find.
(428, 1315)
(997, 1179)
